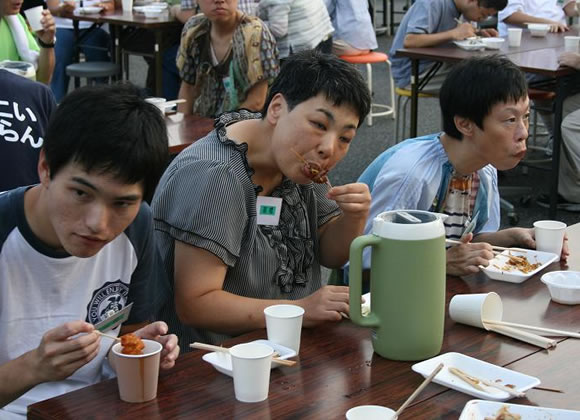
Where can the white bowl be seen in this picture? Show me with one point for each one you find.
(492, 43)
(152, 12)
(564, 286)
(539, 29)
(90, 10)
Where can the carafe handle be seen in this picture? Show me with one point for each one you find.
(355, 281)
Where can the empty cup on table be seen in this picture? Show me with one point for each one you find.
(127, 5)
(137, 374)
(158, 102)
(370, 412)
(514, 37)
(571, 43)
(251, 364)
(284, 325)
(550, 236)
(33, 16)
(472, 309)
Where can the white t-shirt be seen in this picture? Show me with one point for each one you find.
(41, 288)
(547, 9)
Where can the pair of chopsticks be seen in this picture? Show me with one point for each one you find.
(494, 247)
(520, 332)
(209, 347)
(420, 388)
(112, 337)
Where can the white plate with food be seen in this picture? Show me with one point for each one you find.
(517, 266)
(488, 375)
(491, 410)
(222, 362)
(470, 44)
(92, 10)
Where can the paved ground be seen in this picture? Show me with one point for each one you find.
(371, 141)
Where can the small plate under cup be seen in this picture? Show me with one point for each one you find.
(222, 362)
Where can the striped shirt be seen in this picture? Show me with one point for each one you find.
(206, 198)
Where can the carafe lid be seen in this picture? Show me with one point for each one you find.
(409, 225)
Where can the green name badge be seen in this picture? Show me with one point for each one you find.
(268, 210)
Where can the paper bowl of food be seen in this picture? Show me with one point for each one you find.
(564, 286)
(538, 29)
(492, 43)
(516, 266)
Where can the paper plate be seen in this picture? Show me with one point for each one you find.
(477, 368)
(481, 410)
(499, 270)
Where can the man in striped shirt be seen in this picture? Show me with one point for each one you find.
(485, 107)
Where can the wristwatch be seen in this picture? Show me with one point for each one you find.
(46, 45)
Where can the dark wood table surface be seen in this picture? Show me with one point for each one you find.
(117, 19)
(184, 130)
(338, 370)
(535, 55)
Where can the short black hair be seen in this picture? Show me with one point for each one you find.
(493, 4)
(475, 85)
(306, 74)
(110, 129)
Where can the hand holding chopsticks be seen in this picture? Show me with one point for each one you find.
(494, 247)
(210, 347)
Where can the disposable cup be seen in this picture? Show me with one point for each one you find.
(549, 236)
(33, 16)
(571, 43)
(514, 37)
(127, 5)
(472, 309)
(251, 364)
(284, 325)
(370, 412)
(137, 375)
(158, 102)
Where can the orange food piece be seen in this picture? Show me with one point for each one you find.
(132, 344)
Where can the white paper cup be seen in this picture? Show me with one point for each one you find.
(472, 309)
(138, 374)
(514, 37)
(571, 43)
(370, 412)
(158, 102)
(127, 5)
(550, 236)
(284, 325)
(33, 16)
(251, 364)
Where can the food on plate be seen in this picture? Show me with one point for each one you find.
(504, 414)
(132, 344)
(315, 172)
(519, 263)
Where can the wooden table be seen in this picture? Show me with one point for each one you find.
(535, 55)
(119, 18)
(184, 130)
(338, 370)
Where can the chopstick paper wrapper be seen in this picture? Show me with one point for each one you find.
(534, 339)
(210, 347)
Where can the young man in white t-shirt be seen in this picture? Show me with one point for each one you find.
(79, 246)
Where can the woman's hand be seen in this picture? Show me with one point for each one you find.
(326, 304)
(353, 199)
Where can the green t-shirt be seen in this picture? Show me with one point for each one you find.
(8, 49)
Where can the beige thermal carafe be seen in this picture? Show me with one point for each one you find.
(407, 284)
